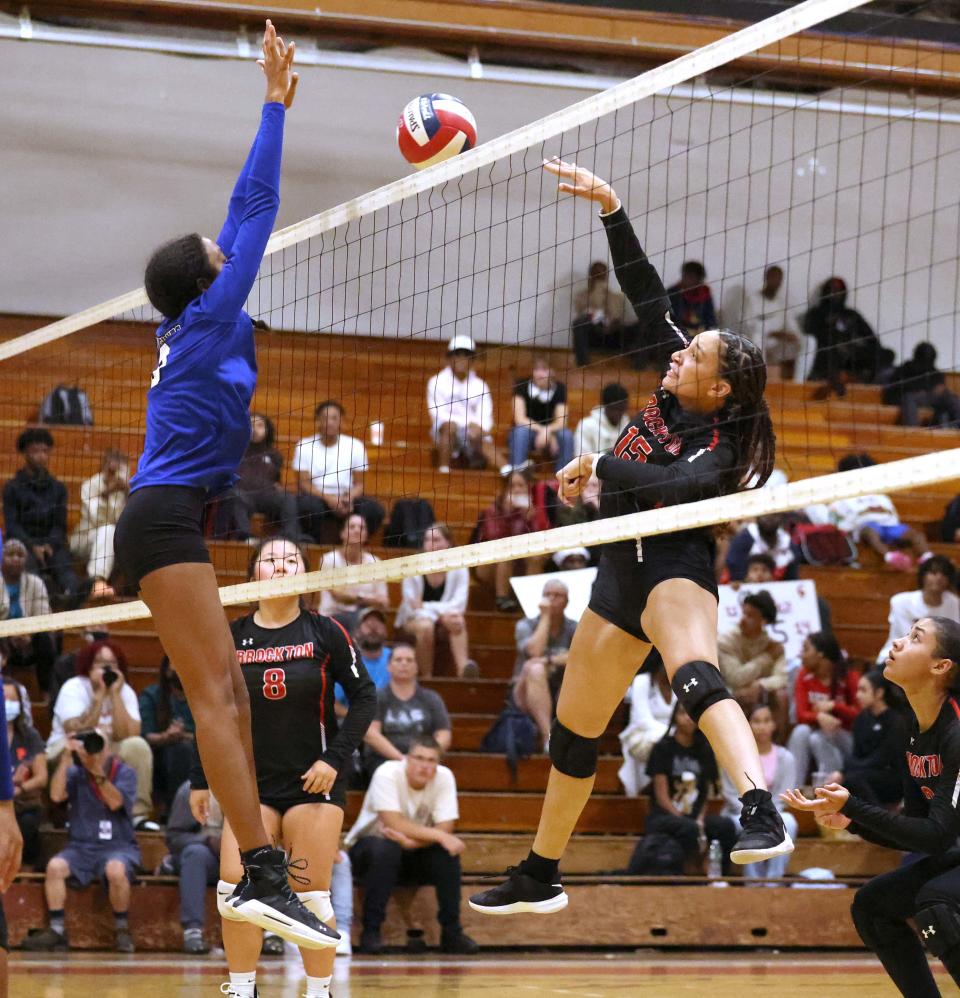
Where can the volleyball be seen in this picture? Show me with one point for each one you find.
(434, 127)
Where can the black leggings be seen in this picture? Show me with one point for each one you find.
(883, 906)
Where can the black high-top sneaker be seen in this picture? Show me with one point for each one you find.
(763, 835)
(264, 898)
(520, 893)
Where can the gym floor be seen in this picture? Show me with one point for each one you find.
(108, 975)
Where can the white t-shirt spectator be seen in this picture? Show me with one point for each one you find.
(331, 468)
(329, 605)
(852, 514)
(450, 400)
(595, 434)
(905, 608)
(762, 316)
(74, 699)
(649, 720)
(390, 791)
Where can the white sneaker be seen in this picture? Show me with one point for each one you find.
(344, 947)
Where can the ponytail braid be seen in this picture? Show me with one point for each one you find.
(743, 367)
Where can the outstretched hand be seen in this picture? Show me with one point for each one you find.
(581, 183)
(276, 65)
(828, 800)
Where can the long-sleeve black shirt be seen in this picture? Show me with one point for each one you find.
(930, 822)
(666, 455)
(878, 742)
(35, 508)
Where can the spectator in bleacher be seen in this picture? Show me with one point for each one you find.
(24, 594)
(765, 535)
(571, 559)
(542, 645)
(331, 467)
(522, 507)
(826, 704)
(436, 603)
(101, 843)
(753, 665)
(35, 512)
(873, 769)
(345, 602)
(195, 859)
(933, 597)
(100, 697)
(873, 520)
(847, 349)
(761, 568)
(600, 317)
(370, 641)
(102, 498)
(540, 418)
(461, 411)
(918, 383)
(29, 765)
(651, 701)
(259, 488)
(597, 432)
(405, 710)
(683, 773)
(691, 300)
(65, 664)
(764, 318)
(404, 832)
(167, 724)
(950, 525)
(780, 771)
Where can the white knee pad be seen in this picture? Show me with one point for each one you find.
(319, 903)
(224, 890)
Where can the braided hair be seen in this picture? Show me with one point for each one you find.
(743, 367)
(177, 273)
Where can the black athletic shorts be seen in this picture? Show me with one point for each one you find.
(623, 584)
(337, 796)
(160, 525)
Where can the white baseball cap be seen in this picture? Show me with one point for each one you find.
(561, 556)
(462, 343)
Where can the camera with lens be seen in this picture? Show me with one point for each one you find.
(92, 742)
(110, 676)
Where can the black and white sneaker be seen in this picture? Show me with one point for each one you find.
(264, 898)
(520, 893)
(763, 835)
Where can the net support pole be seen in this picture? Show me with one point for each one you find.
(890, 477)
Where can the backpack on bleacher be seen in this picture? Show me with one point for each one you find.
(821, 544)
(409, 520)
(66, 407)
(656, 855)
(513, 734)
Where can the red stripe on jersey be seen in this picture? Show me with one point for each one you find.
(956, 707)
(716, 438)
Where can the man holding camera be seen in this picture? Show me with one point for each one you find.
(101, 844)
(99, 697)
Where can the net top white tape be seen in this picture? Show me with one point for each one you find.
(687, 67)
(891, 477)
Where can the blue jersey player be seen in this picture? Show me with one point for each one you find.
(198, 425)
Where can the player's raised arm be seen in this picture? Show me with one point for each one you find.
(637, 276)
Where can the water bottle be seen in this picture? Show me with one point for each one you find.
(714, 860)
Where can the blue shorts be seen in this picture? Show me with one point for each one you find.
(89, 862)
(889, 533)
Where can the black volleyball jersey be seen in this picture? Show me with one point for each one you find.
(290, 674)
(930, 821)
(666, 455)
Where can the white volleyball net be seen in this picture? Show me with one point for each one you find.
(848, 187)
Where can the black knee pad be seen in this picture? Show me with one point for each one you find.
(698, 686)
(939, 927)
(572, 754)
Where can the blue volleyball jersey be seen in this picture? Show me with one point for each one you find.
(198, 404)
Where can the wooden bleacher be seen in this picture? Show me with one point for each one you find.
(113, 363)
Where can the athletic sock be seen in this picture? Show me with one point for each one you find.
(120, 920)
(57, 922)
(244, 985)
(540, 868)
(318, 987)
